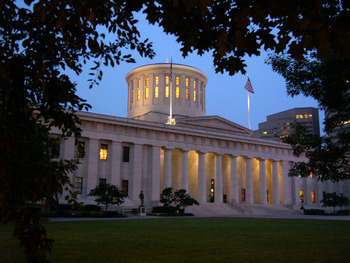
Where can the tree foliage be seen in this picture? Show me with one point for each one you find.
(328, 82)
(166, 196)
(334, 200)
(39, 41)
(233, 29)
(183, 200)
(107, 194)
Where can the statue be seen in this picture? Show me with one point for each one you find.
(142, 197)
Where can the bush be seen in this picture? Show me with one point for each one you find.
(164, 210)
(314, 212)
(92, 207)
(343, 212)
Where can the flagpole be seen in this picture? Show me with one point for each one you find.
(171, 89)
(248, 111)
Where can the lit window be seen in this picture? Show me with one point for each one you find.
(187, 82)
(79, 184)
(194, 84)
(301, 195)
(103, 151)
(125, 187)
(187, 93)
(177, 80)
(311, 175)
(243, 194)
(166, 79)
(313, 198)
(146, 93)
(138, 83)
(156, 92)
(138, 94)
(300, 116)
(156, 80)
(264, 132)
(167, 91)
(80, 149)
(177, 92)
(194, 95)
(102, 181)
(146, 81)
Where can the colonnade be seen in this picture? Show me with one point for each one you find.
(243, 185)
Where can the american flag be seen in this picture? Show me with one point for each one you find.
(171, 70)
(248, 86)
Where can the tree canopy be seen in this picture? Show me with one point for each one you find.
(107, 194)
(328, 82)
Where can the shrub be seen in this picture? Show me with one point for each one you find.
(164, 210)
(92, 207)
(314, 212)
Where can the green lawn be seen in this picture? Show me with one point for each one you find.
(192, 240)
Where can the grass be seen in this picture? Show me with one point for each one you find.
(191, 240)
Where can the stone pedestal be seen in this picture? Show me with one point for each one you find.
(142, 211)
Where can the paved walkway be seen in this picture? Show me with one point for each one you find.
(63, 219)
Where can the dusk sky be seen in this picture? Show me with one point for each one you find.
(225, 95)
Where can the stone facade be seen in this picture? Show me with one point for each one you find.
(215, 159)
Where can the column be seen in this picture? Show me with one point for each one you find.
(184, 173)
(67, 152)
(116, 161)
(234, 180)
(275, 190)
(249, 182)
(155, 182)
(262, 181)
(218, 180)
(287, 182)
(93, 155)
(202, 196)
(167, 167)
(136, 175)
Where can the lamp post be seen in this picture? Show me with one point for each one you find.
(302, 201)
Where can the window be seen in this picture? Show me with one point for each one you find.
(187, 82)
(81, 150)
(103, 152)
(156, 92)
(177, 80)
(177, 92)
(79, 184)
(146, 93)
(313, 197)
(126, 154)
(166, 79)
(125, 187)
(187, 93)
(195, 91)
(167, 91)
(301, 195)
(102, 181)
(132, 92)
(156, 80)
(138, 94)
(243, 194)
(56, 147)
(139, 83)
(146, 81)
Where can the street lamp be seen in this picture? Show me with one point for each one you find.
(302, 201)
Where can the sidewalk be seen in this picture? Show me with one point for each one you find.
(315, 217)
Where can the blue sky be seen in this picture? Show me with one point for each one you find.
(225, 95)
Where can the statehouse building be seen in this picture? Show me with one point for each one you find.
(217, 161)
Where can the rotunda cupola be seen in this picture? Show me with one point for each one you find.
(150, 89)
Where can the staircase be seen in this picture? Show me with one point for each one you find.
(213, 209)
